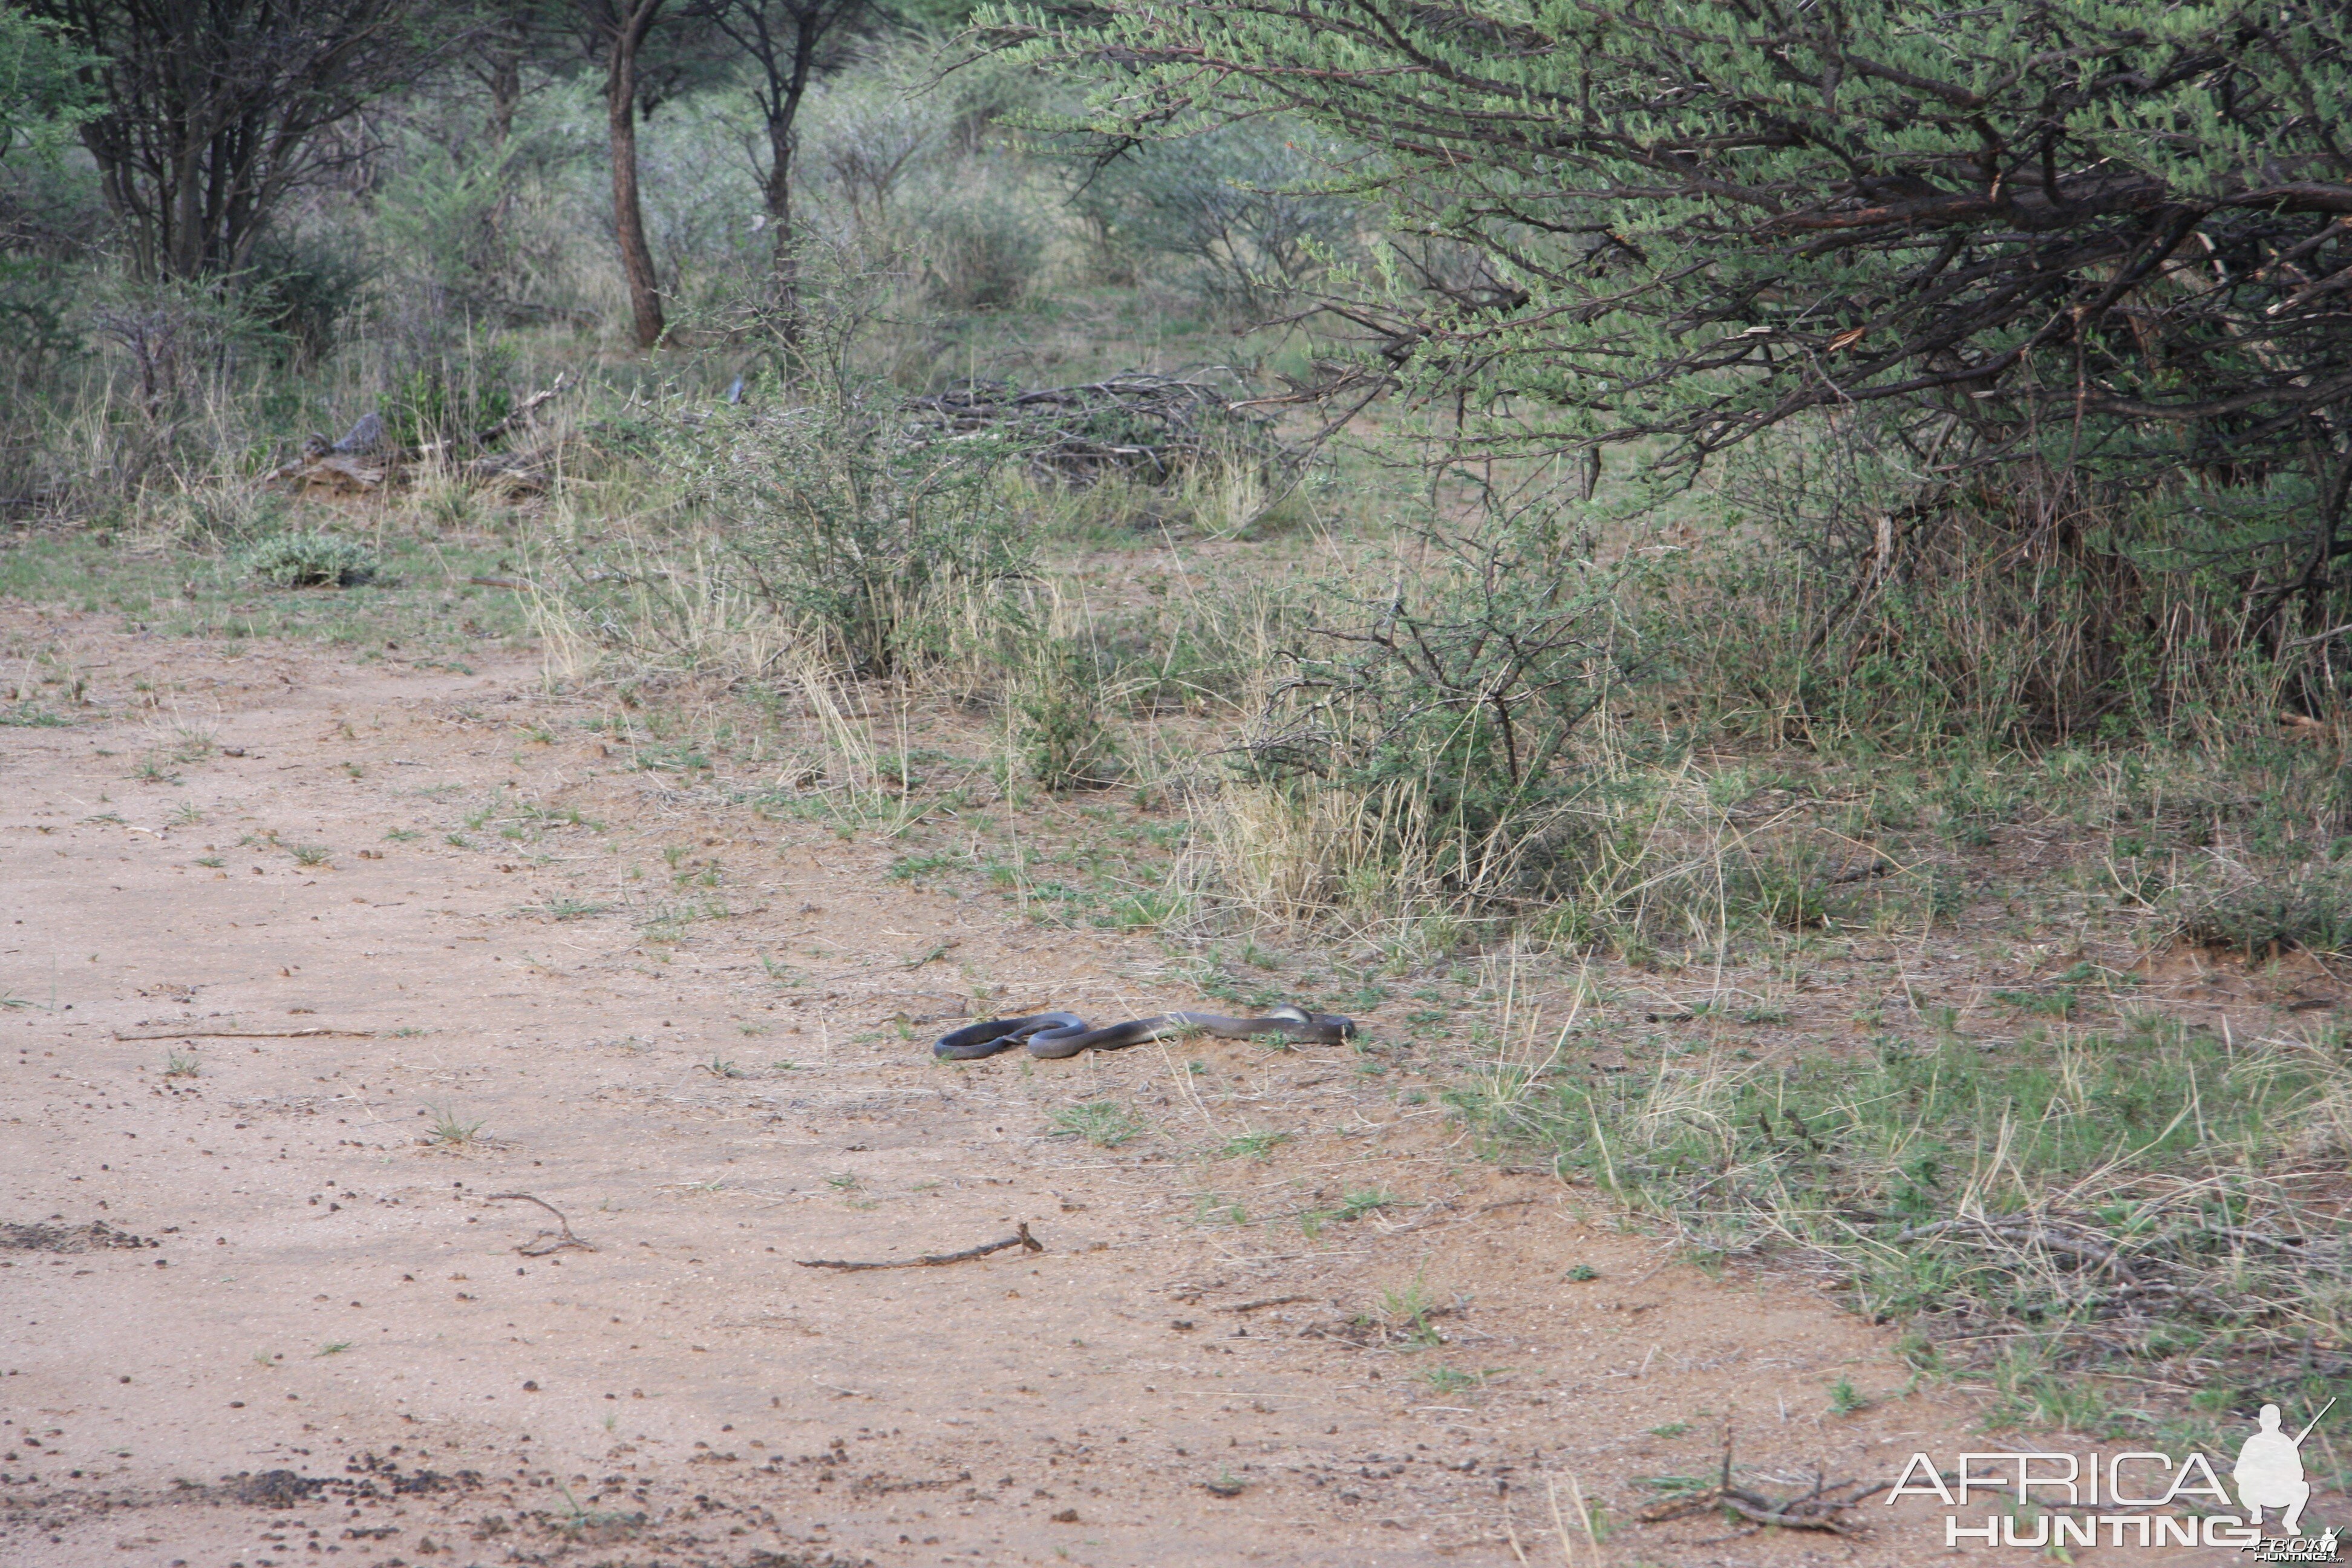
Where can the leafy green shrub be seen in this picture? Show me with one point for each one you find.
(981, 252)
(1447, 707)
(1676, 246)
(1848, 599)
(309, 561)
(840, 524)
(303, 290)
(1058, 721)
(439, 399)
(440, 225)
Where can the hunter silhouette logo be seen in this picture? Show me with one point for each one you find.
(2269, 1471)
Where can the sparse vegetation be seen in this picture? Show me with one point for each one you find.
(1104, 1124)
(1404, 1315)
(1251, 1145)
(2063, 1204)
(448, 1129)
(1469, 578)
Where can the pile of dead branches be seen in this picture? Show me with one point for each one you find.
(1134, 425)
(367, 459)
(1823, 1507)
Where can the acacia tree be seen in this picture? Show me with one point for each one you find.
(788, 41)
(618, 31)
(212, 115)
(2126, 230)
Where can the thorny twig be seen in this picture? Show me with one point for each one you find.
(1821, 1509)
(1021, 1239)
(203, 1034)
(546, 1241)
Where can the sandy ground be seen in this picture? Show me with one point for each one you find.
(332, 1339)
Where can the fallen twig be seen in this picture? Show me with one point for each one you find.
(1821, 1511)
(251, 1035)
(546, 1241)
(522, 411)
(1021, 1239)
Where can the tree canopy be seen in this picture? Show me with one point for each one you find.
(210, 115)
(42, 94)
(2127, 223)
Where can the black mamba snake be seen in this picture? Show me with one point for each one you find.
(1052, 1036)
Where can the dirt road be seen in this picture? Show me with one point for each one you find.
(307, 962)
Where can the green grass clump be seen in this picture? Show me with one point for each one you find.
(1104, 1124)
(30, 715)
(1251, 1145)
(309, 561)
(1058, 722)
(571, 909)
(450, 1130)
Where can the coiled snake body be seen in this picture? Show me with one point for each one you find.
(1053, 1036)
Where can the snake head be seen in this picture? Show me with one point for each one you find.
(1325, 1024)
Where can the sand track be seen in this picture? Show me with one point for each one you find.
(334, 1348)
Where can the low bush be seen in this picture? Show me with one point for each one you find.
(815, 524)
(1447, 706)
(981, 251)
(452, 397)
(1058, 721)
(308, 560)
(1237, 207)
(2257, 910)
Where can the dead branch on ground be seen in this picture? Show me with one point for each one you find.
(1149, 428)
(546, 1241)
(1020, 1238)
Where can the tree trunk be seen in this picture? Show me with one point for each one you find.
(782, 106)
(184, 234)
(505, 82)
(784, 271)
(628, 215)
